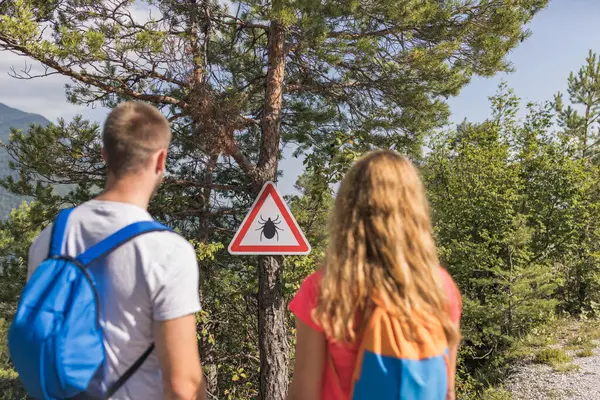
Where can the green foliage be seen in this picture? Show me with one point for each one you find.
(16, 235)
(579, 138)
(10, 386)
(496, 394)
(566, 368)
(516, 220)
(587, 352)
(478, 192)
(552, 357)
(311, 209)
(378, 71)
(12, 120)
(357, 75)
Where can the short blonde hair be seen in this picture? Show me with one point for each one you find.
(132, 132)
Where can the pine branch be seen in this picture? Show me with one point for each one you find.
(92, 80)
(215, 186)
(359, 35)
(239, 23)
(232, 149)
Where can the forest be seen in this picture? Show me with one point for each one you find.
(515, 198)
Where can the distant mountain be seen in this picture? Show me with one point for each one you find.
(12, 118)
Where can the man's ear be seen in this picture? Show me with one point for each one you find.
(161, 161)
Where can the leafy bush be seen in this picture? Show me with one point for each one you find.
(10, 386)
(552, 357)
(587, 352)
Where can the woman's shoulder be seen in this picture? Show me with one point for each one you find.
(309, 289)
(313, 279)
(448, 281)
(452, 294)
(306, 299)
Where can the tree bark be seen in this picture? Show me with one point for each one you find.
(273, 344)
(274, 347)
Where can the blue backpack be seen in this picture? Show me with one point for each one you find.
(55, 340)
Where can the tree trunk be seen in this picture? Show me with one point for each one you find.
(273, 344)
(274, 347)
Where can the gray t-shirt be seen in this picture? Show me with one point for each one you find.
(153, 277)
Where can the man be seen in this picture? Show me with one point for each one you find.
(148, 287)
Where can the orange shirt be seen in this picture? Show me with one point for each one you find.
(344, 355)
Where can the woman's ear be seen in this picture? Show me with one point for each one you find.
(103, 154)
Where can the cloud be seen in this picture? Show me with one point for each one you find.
(44, 96)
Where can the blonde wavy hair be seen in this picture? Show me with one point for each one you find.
(381, 245)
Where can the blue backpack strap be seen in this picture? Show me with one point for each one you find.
(119, 238)
(58, 232)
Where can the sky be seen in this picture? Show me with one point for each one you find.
(562, 35)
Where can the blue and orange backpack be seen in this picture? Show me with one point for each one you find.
(55, 340)
(391, 366)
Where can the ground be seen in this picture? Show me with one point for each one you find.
(565, 364)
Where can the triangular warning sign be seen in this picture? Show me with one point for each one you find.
(269, 228)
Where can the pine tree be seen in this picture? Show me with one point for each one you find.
(579, 124)
(238, 80)
(582, 128)
(488, 184)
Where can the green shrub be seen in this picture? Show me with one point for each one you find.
(564, 368)
(552, 357)
(10, 386)
(587, 352)
(580, 341)
(496, 394)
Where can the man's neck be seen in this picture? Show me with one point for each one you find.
(127, 191)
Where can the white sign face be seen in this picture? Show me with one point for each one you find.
(269, 228)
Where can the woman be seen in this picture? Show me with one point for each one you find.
(380, 243)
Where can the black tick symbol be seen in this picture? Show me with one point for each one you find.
(269, 228)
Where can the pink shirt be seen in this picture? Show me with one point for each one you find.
(344, 355)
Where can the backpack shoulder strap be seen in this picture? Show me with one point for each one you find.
(119, 238)
(58, 232)
(125, 377)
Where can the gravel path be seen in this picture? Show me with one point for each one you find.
(535, 381)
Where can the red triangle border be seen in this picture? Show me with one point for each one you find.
(237, 248)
